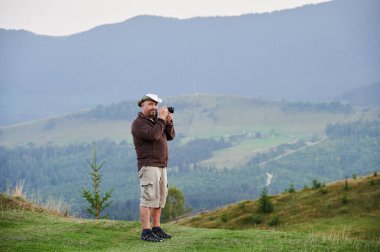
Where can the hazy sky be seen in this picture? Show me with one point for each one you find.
(64, 17)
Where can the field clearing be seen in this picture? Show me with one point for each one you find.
(66, 131)
(241, 152)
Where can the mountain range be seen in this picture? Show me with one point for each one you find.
(315, 52)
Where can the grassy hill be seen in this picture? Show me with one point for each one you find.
(26, 227)
(348, 207)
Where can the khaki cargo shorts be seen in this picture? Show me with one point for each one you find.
(153, 186)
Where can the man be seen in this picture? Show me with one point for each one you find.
(151, 130)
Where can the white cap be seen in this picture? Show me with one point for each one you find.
(149, 97)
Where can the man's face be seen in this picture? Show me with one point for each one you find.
(149, 108)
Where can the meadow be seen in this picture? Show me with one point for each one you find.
(25, 226)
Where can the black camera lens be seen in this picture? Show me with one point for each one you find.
(171, 109)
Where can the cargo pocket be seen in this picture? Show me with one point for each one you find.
(147, 191)
(146, 185)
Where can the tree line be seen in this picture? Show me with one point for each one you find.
(332, 107)
(354, 129)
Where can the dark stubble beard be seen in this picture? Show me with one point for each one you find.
(152, 113)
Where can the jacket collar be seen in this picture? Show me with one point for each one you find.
(154, 119)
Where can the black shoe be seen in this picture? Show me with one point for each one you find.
(161, 234)
(149, 236)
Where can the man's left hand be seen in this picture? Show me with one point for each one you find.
(169, 119)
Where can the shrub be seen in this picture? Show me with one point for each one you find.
(343, 210)
(344, 199)
(375, 174)
(323, 190)
(257, 219)
(224, 218)
(329, 206)
(241, 205)
(274, 222)
(354, 176)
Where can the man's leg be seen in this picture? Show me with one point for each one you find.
(156, 216)
(145, 217)
(156, 212)
(150, 183)
(147, 234)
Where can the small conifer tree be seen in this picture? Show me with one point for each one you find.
(265, 205)
(346, 187)
(316, 184)
(97, 202)
(291, 188)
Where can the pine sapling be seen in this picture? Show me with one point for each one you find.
(346, 187)
(265, 205)
(97, 202)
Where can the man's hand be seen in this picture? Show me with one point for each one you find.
(169, 119)
(163, 113)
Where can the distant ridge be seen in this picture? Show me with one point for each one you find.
(315, 52)
(363, 96)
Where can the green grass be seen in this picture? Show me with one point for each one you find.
(349, 226)
(25, 230)
(25, 226)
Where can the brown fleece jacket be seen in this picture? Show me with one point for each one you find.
(150, 139)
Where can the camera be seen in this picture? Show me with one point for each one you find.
(171, 109)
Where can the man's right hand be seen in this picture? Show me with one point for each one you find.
(163, 113)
